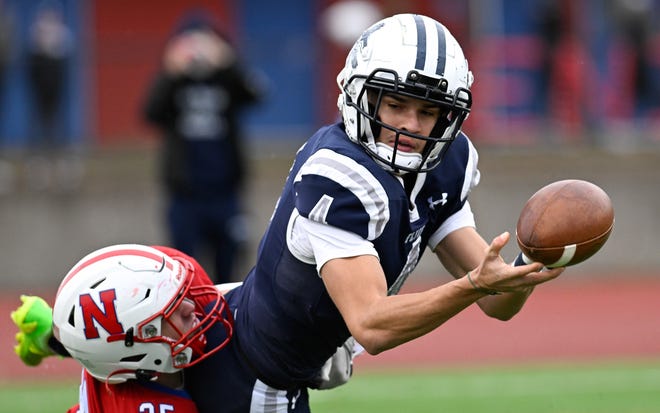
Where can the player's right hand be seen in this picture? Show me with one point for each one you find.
(34, 319)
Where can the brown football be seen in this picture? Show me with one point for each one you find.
(565, 222)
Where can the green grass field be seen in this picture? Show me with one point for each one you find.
(561, 388)
(580, 388)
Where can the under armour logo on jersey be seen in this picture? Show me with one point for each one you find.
(440, 201)
(106, 318)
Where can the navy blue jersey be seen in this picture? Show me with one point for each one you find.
(286, 323)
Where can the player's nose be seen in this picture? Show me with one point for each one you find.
(410, 122)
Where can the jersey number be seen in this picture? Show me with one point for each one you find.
(320, 211)
(150, 408)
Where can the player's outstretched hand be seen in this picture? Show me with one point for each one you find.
(34, 319)
(496, 275)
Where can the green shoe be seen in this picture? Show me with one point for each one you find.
(34, 319)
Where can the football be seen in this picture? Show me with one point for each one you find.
(564, 223)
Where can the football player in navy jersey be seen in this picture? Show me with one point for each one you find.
(363, 199)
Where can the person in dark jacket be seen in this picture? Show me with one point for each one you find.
(195, 101)
(51, 164)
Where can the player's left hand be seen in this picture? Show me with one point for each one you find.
(494, 274)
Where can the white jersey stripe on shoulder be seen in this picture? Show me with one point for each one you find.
(357, 179)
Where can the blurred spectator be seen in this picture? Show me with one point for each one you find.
(568, 74)
(5, 42)
(49, 51)
(6, 168)
(550, 31)
(195, 101)
(634, 20)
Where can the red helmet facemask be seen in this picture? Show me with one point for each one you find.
(211, 309)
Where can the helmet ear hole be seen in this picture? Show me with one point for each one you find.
(96, 284)
(133, 358)
(72, 317)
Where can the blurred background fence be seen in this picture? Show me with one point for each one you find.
(563, 89)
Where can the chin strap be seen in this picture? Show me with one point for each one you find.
(141, 374)
(410, 160)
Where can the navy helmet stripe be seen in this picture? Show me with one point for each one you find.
(421, 43)
(420, 61)
(442, 51)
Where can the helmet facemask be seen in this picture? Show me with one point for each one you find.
(454, 109)
(190, 348)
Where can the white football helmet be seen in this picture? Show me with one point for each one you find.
(414, 56)
(112, 305)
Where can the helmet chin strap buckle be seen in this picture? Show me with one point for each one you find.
(145, 375)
